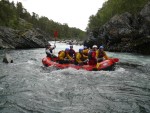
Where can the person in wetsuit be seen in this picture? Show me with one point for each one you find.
(49, 51)
(101, 54)
(80, 58)
(64, 57)
(71, 51)
(92, 55)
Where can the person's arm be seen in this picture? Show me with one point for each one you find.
(86, 53)
(85, 57)
(53, 47)
(61, 56)
(68, 56)
(78, 56)
(48, 52)
(105, 56)
(97, 52)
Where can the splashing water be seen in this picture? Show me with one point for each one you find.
(26, 86)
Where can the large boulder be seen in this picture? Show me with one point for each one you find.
(145, 19)
(119, 25)
(30, 39)
(126, 33)
(10, 38)
(7, 59)
(145, 12)
(121, 33)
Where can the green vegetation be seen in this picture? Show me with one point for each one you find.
(17, 17)
(113, 7)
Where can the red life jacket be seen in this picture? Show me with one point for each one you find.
(71, 52)
(92, 57)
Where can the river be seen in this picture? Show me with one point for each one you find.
(28, 87)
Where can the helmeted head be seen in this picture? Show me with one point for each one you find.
(101, 47)
(85, 47)
(48, 45)
(94, 46)
(80, 50)
(71, 46)
(67, 49)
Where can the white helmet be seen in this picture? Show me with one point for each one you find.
(94, 46)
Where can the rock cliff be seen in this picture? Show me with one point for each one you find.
(16, 39)
(125, 33)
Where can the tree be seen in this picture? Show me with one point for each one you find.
(113, 7)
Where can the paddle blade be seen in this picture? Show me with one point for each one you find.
(98, 65)
(56, 34)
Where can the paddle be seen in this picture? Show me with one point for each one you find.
(98, 65)
(55, 36)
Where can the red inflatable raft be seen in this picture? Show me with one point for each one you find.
(104, 65)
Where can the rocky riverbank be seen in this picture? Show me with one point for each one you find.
(125, 33)
(33, 38)
(17, 39)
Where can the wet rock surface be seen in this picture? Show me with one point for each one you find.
(125, 33)
(17, 39)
